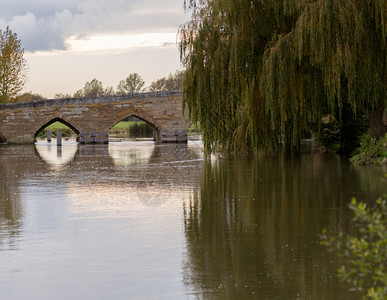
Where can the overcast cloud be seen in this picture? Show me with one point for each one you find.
(44, 25)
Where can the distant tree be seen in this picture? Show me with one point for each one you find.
(93, 88)
(174, 82)
(109, 91)
(158, 85)
(132, 84)
(62, 96)
(12, 66)
(29, 96)
(78, 94)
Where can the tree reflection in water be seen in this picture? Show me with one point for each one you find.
(11, 211)
(252, 230)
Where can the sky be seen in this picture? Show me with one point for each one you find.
(70, 42)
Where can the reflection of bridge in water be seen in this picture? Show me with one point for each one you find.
(102, 178)
(152, 172)
(119, 154)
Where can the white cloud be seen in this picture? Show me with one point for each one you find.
(69, 42)
(44, 25)
(41, 34)
(121, 42)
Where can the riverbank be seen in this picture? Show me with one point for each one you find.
(371, 152)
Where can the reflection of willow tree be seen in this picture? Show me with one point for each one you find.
(10, 213)
(254, 226)
(371, 177)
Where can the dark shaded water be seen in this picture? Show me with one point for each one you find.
(144, 221)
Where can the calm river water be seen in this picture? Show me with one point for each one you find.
(135, 220)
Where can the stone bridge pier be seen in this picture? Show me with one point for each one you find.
(92, 118)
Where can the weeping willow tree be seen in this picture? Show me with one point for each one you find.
(259, 73)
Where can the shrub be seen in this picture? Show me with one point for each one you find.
(364, 254)
(140, 129)
(371, 151)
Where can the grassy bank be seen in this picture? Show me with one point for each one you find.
(371, 152)
(131, 129)
(55, 127)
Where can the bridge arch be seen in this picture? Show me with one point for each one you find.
(141, 117)
(129, 113)
(60, 120)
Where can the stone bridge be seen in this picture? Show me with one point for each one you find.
(20, 123)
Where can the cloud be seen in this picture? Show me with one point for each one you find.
(115, 43)
(44, 25)
(41, 34)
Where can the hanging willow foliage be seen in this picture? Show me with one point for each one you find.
(340, 45)
(259, 72)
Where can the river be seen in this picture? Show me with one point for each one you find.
(136, 220)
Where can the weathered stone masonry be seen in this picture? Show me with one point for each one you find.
(21, 122)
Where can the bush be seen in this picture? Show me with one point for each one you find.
(364, 254)
(371, 151)
(140, 129)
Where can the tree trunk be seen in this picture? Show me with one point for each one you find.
(375, 118)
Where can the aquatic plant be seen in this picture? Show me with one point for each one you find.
(364, 253)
